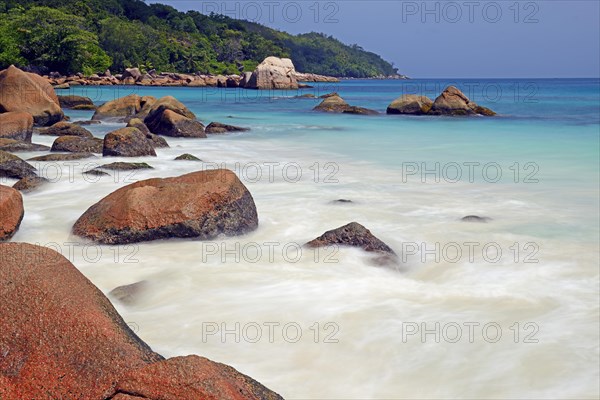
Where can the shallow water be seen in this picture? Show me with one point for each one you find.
(333, 324)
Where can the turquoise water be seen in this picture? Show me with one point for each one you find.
(545, 203)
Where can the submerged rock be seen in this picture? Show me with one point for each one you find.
(62, 157)
(354, 235)
(201, 204)
(342, 201)
(14, 167)
(126, 294)
(218, 128)
(30, 183)
(125, 166)
(187, 157)
(475, 218)
(11, 215)
(360, 111)
(410, 104)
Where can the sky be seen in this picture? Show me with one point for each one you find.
(444, 39)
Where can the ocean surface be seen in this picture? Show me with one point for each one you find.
(507, 309)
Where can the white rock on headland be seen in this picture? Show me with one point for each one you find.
(274, 73)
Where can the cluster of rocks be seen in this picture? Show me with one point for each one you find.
(45, 343)
(272, 73)
(451, 102)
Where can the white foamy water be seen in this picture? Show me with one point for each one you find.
(333, 324)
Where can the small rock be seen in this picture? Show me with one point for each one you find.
(62, 157)
(127, 294)
(219, 128)
(72, 101)
(63, 128)
(475, 218)
(29, 183)
(187, 157)
(96, 172)
(15, 146)
(354, 235)
(83, 123)
(125, 166)
(327, 95)
(359, 111)
(14, 167)
(76, 144)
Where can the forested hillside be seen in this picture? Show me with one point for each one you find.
(90, 36)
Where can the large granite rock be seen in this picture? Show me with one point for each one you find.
(200, 204)
(169, 117)
(123, 108)
(62, 339)
(11, 215)
(127, 142)
(273, 73)
(410, 104)
(25, 92)
(454, 102)
(16, 125)
(170, 123)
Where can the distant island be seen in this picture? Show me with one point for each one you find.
(91, 36)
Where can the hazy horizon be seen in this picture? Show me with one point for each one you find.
(483, 39)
